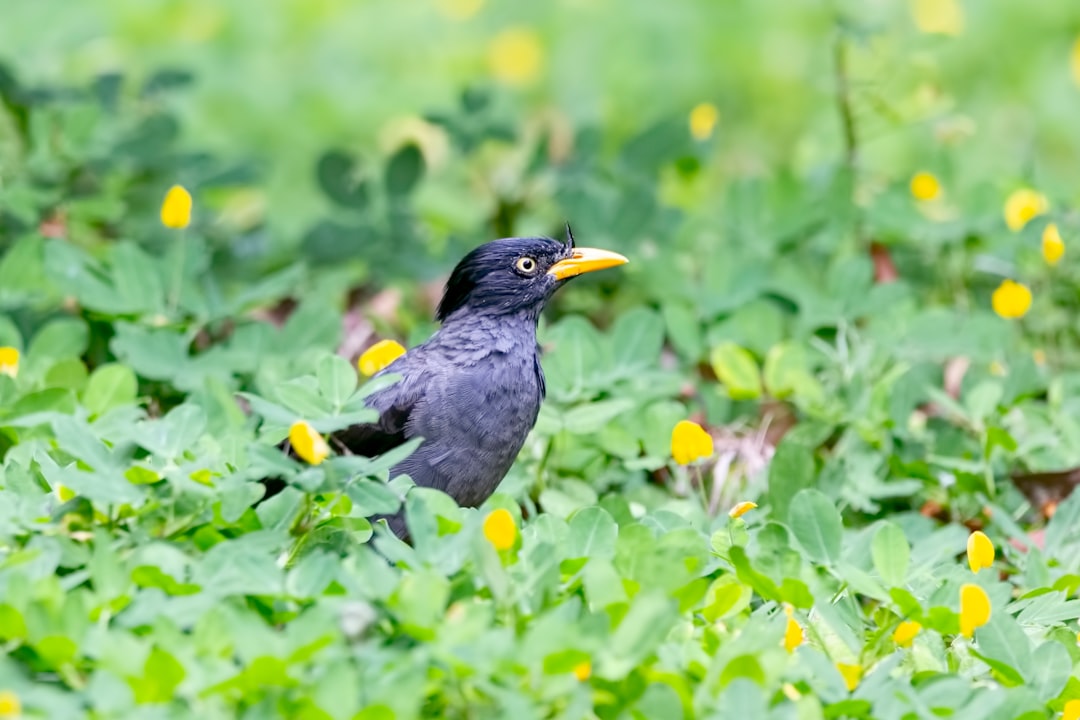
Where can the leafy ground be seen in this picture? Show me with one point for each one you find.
(851, 231)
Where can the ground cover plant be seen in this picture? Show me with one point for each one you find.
(809, 455)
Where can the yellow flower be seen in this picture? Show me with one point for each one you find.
(1022, 206)
(945, 17)
(9, 361)
(851, 674)
(1053, 247)
(379, 355)
(1011, 300)
(925, 186)
(1071, 711)
(500, 530)
(459, 9)
(308, 444)
(793, 634)
(10, 705)
(515, 56)
(176, 209)
(690, 442)
(980, 551)
(1074, 61)
(703, 119)
(974, 608)
(905, 633)
(741, 509)
(583, 670)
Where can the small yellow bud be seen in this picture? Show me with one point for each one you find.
(1011, 300)
(308, 444)
(1022, 206)
(10, 705)
(943, 17)
(583, 670)
(703, 119)
(851, 674)
(793, 634)
(690, 442)
(905, 633)
(1039, 356)
(980, 551)
(500, 530)
(974, 608)
(9, 361)
(741, 509)
(925, 186)
(176, 208)
(1053, 247)
(1071, 711)
(379, 355)
(515, 56)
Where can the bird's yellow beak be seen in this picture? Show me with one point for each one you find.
(585, 260)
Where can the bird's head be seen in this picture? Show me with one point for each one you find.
(515, 275)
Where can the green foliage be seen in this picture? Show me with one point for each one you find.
(836, 336)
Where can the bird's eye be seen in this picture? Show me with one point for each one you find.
(526, 265)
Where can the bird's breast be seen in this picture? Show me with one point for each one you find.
(476, 422)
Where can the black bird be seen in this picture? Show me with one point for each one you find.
(473, 390)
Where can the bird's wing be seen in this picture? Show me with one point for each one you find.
(395, 405)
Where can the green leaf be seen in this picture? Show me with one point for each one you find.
(816, 524)
(162, 674)
(592, 534)
(404, 170)
(726, 597)
(1049, 672)
(1003, 642)
(787, 373)
(891, 553)
(737, 370)
(684, 329)
(640, 632)
(70, 374)
(110, 386)
(637, 338)
(762, 584)
(58, 340)
(791, 470)
(592, 417)
(339, 177)
(337, 379)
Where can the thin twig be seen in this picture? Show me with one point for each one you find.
(846, 109)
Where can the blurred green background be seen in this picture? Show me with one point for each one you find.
(987, 107)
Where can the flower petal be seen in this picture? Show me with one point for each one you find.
(690, 442)
(1011, 300)
(974, 608)
(905, 633)
(741, 509)
(308, 444)
(500, 529)
(980, 551)
(176, 208)
(379, 355)
(9, 361)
